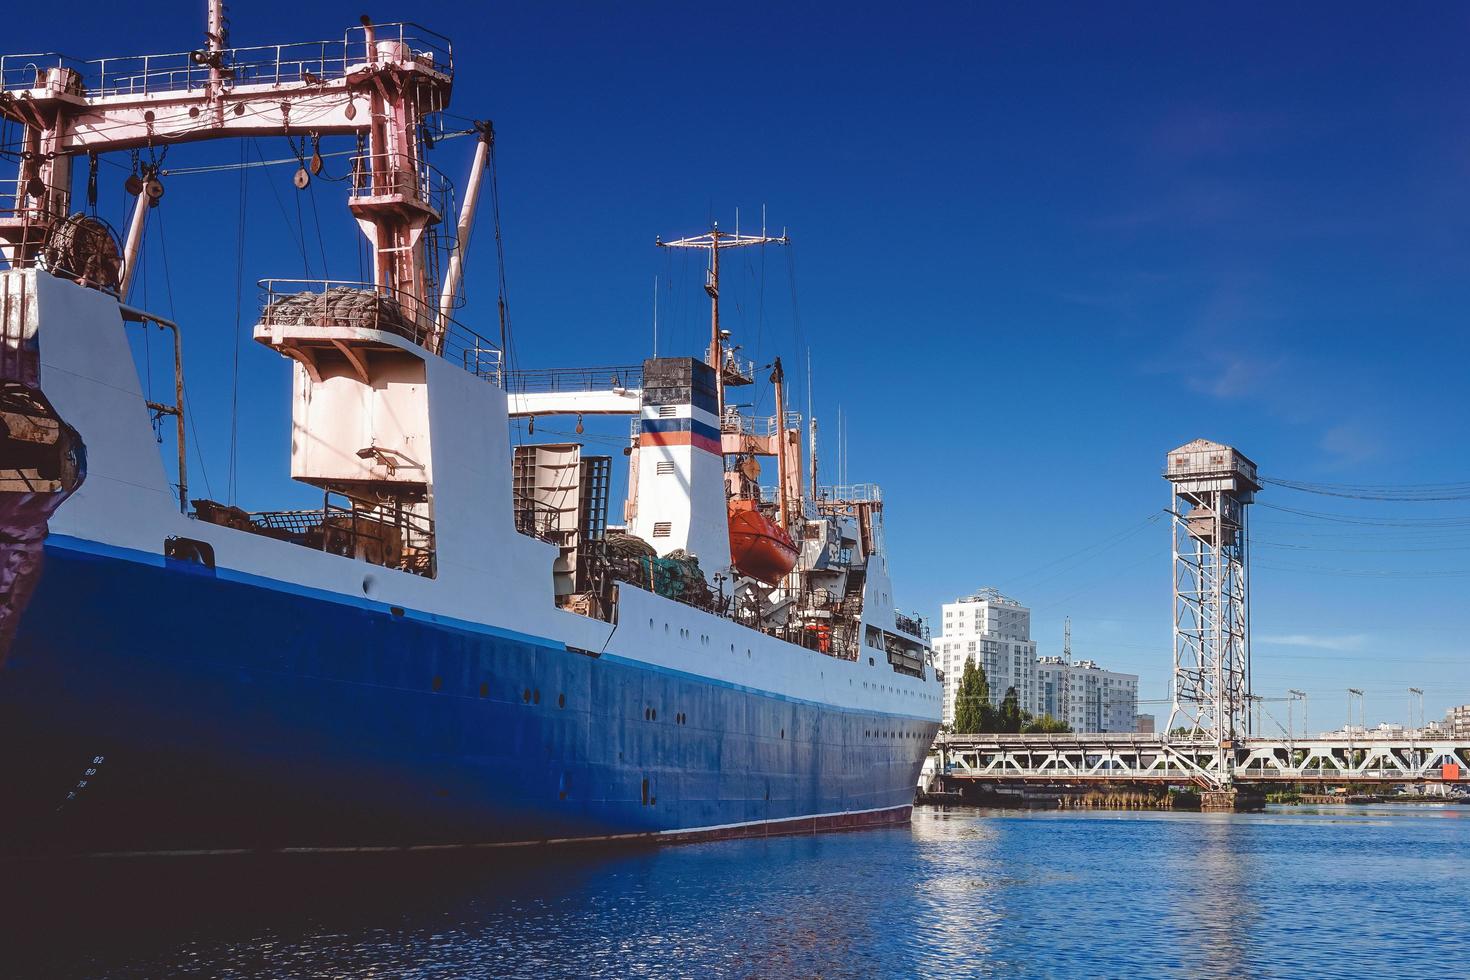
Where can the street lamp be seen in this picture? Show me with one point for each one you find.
(1356, 692)
(1413, 693)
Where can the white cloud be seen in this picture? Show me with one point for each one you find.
(1351, 443)
(1317, 641)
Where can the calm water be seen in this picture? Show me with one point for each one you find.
(1296, 892)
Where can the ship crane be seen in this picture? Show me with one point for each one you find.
(379, 82)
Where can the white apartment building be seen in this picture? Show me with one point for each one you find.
(996, 632)
(1087, 697)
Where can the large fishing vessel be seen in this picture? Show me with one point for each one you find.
(458, 647)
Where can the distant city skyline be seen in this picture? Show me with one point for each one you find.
(1028, 258)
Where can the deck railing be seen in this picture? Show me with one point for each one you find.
(272, 64)
(626, 376)
(340, 303)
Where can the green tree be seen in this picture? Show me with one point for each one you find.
(1045, 725)
(1009, 718)
(972, 711)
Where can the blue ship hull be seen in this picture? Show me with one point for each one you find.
(148, 704)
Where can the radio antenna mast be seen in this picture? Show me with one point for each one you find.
(714, 241)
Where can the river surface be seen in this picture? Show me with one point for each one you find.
(1362, 891)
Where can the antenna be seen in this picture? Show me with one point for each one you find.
(655, 316)
(1066, 691)
(811, 415)
(839, 444)
(714, 241)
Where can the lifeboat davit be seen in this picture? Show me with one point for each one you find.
(759, 547)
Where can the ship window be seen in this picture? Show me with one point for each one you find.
(561, 700)
(662, 529)
(664, 469)
(484, 689)
(438, 683)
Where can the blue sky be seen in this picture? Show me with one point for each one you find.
(1035, 247)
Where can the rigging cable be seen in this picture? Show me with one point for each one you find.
(300, 242)
(317, 221)
(234, 477)
(486, 130)
(796, 331)
(169, 286)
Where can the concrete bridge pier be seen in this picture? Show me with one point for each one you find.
(1232, 799)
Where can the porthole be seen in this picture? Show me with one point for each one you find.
(653, 714)
(438, 683)
(561, 700)
(536, 696)
(526, 695)
(368, 584)
(484, 689)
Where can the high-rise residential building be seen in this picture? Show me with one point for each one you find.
(1086, 697)
(1457, 721)
(995, 631)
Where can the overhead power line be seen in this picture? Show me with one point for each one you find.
(1399, 493)
(1370, 521)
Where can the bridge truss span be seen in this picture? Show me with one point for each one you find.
(1151, 759)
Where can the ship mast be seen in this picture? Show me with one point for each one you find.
(713, 241)
(778, 378)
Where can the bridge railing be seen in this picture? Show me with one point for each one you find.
(1130, 757)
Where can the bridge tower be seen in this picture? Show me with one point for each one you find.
(1211, 489)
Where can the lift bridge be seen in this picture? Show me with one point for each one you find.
(1211, 488)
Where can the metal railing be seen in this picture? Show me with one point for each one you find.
(544, 380)
(912, 625)
(340, 303)
(537, 519)
(375, 175)
(851, 493)
(762, 426)
(387, 536)
(736, 368)
(275, 64)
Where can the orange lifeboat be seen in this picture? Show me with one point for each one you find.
(758, 546)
